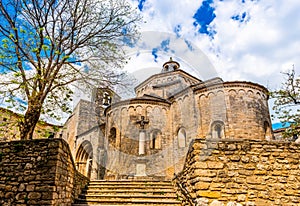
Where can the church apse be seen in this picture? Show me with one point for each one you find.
(148, 135)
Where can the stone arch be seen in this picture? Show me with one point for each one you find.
(211, 95)
(242, 92)
(258, 95)
(181, 137)
(139, 110)
(250, 93)
(155, 139)
(185, 98)
(220, 92)
(84, 158)
(232, 92)
(218, 129)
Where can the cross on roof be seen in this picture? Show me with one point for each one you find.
(142, 122)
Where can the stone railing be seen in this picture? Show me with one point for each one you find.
(38, 172)
(242, 172)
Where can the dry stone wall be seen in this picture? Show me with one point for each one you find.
(242, 172)
(38, 172)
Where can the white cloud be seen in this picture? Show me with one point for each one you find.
(255, 50)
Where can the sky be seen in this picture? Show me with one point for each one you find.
(245, 40)
(249, 40)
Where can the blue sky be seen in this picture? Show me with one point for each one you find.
(250, 40)
(247, 40)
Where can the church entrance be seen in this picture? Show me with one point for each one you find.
(84, 158)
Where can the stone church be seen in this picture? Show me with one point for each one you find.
(148, 136)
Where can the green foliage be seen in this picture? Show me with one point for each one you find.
(45, 51)
(287, 104)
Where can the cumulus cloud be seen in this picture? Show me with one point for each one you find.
(252, 40)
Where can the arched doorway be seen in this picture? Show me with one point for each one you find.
(84, 158)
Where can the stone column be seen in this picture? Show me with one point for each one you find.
(142, 139)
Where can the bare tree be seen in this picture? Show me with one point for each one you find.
(286, 104)
(48, 45)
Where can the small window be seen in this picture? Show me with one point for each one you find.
(217, 130)
(112, 135)
(181, 138)
(106, 99)
(155, 140)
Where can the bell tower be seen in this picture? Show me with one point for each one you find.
(170, 66)
(102, 98)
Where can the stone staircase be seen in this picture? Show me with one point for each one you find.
(129, 192)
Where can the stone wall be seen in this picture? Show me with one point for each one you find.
(244, 172)
(9, 129)
(38, 172)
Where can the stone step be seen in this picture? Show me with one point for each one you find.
(131, 182)
(126, 195)
(127, 201)
(147, 191)
(128, 192)
(115, 186)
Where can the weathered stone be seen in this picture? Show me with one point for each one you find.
(200, 165)
(253, 180)
(208, 194)
(30, 188)
(233, 204)
(34, 195)
(216, 203)
(21, 187)
(235, 158)
(241, 198)
(250, 204)
(205, 173)
(19, 172)
(201, 202)
(202, 186)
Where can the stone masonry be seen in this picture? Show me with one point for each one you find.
(244, 172)
(38, 172)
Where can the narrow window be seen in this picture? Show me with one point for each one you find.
(112, 135)
(217, 129)
(181, 138)
(155, 140)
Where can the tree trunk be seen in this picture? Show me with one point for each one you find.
(30, 120)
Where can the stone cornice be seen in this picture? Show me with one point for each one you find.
(138, 101)
(165, 74)
(217, 84)
(233, 84)
(204, 84)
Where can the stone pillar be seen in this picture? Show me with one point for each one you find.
(142, 139)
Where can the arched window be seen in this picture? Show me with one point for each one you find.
(155, 140)
(181, 138)
(217, 129)
(112, 135)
